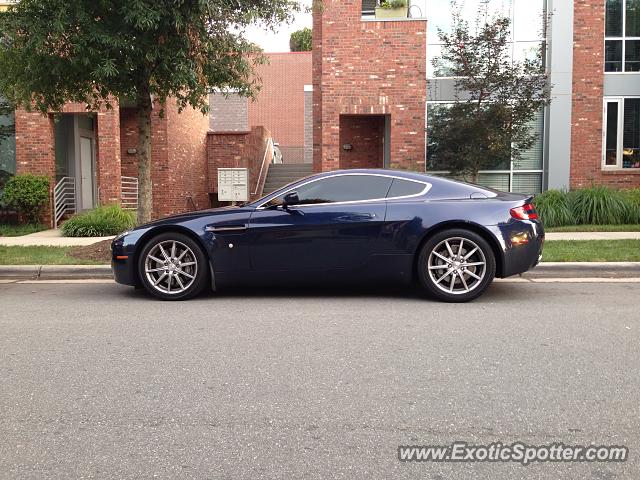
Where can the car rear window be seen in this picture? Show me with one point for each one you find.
(403, 188)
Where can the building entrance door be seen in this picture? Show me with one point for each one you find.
(87, 174)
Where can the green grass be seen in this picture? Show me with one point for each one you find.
(595, 228)
(40, 255)
(10, 230)
(591, 251)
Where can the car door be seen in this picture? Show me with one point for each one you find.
(335, 225)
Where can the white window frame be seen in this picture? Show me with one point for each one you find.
(622, 38)
(620, 145)
(512, 42)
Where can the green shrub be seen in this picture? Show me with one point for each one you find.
(392, 4)
(28, 194)
(100, 222)
(599, 205)
(553, 208)
(633, 200)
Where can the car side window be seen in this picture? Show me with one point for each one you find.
(339, 188)
(403, 188)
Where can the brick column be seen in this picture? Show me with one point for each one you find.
(365, 67)
(35, 150)
(588, 86)
(108, 161)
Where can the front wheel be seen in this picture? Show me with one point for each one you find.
(456, 265)
(172, 266)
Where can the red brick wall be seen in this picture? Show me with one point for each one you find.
(279, 106)
(187, 152)
(35, 149)
(128, 141)
(365, 134)
(363, 67)
(108, 156)
(588, 89)
(178, 157)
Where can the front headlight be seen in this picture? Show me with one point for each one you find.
(122, 235)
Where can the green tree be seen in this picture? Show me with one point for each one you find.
(300, 40)
(93, 51)
(496, 98)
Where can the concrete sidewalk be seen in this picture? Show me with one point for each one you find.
(50, 238)
(592, 236)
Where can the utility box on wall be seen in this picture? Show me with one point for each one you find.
(233, 184)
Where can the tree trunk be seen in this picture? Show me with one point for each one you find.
(145, 186)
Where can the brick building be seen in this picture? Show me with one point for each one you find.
(369, 89)
(92, 155)
(371, 77)
(279, 105)
(365, 97)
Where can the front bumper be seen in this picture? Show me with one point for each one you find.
(123, 261)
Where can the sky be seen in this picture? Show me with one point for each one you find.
(279, 41)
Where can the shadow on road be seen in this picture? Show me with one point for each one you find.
(497, 292)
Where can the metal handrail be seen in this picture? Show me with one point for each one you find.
(264, 159)
(64, 199)
(129, 193)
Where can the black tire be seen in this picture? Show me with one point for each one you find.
(176, 277)
(468, 277)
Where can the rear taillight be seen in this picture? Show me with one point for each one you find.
(525, 212)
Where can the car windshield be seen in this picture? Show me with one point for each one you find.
(278, 192)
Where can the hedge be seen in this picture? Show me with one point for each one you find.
(597, 205)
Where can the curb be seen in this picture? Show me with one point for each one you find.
(543, 270)
(584, 269)
(55, 272)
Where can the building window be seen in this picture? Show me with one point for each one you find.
(622, 36)
(621, 133)
(521, 176)
(7, 148)
(527, 36)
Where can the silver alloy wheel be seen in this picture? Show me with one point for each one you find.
(457, 265)
(171, 267)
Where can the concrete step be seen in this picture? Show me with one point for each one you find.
(280, 173)
(291, 168)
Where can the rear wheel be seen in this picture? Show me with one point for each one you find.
(172, 266)
(456, 265)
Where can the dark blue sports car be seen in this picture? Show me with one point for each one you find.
(343, 226)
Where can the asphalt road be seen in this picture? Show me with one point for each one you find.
(99, 381)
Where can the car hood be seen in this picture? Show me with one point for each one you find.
(185, 217)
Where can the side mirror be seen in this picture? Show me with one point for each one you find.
(290, 198)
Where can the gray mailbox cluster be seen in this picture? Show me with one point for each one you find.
(233, 184)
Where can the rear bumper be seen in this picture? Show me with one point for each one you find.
(519, 256)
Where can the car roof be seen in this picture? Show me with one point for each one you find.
(423, 177)
(440, 187)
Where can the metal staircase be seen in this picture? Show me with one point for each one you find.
(281, 174)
